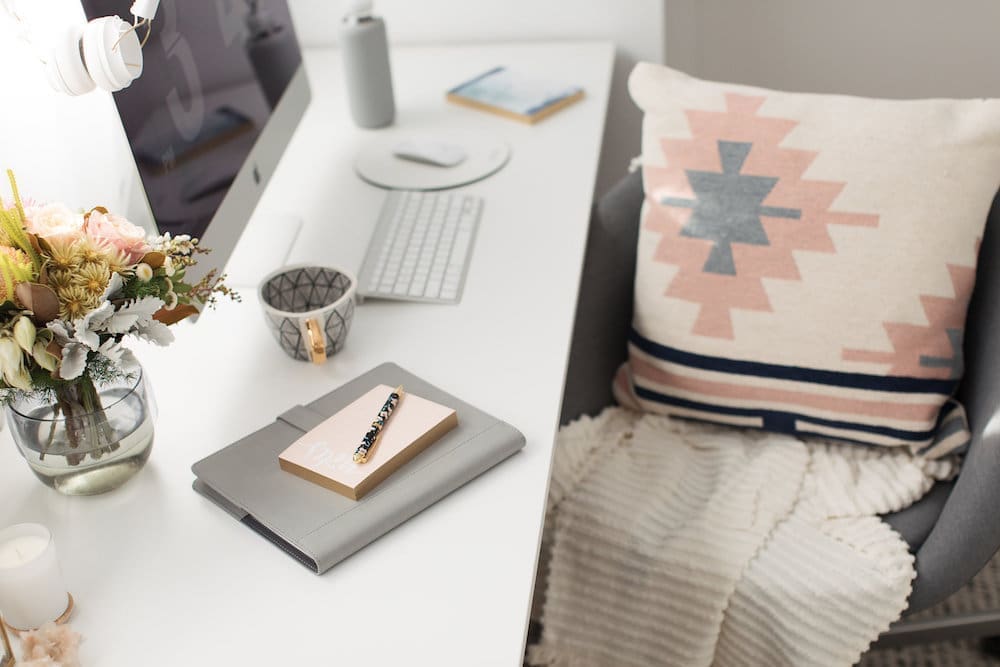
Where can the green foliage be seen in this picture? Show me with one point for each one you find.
(100, 369)
(12, 224)
(103, 371)
(136, 289)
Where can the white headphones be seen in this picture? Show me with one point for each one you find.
(105, 53)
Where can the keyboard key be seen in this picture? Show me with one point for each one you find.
(433, 288)
(423, 242)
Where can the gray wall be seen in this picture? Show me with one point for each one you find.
(883, 48)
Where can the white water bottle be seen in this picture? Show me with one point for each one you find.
(364, 50)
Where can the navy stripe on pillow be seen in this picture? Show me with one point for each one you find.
(903, 385)
(784, 422)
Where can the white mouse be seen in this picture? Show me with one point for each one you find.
(429, 151)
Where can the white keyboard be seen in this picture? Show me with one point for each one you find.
(421, 247)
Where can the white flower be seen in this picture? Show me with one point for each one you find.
(144, 272)
(61, 329)
(74, 361)
(168, 266)
(155, 332)
(86, 328)
(44, 358)
(54, 221)
(78, 338)
(113, 351)
(74, 353)
(134, 314)
(127, 361)
(24, 333)
(12, 363)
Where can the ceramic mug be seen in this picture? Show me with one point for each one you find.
(309, 309)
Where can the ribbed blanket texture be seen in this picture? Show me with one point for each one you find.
(678, 543)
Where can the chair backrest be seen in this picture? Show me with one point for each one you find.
(963, 539)
(980, 390)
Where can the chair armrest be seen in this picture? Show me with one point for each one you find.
(966, 534)
(604, 304)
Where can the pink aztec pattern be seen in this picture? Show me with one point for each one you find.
(935, 350)
(722, 269)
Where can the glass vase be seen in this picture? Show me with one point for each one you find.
(90, 439)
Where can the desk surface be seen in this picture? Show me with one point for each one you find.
(163, 577)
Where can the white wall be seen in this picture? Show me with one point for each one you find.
(883, 48)
(636, 27)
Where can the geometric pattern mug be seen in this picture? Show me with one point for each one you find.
(309, 309)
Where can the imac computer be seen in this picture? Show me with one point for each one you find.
(222, 90)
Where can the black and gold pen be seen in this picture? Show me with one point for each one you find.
(370, 441)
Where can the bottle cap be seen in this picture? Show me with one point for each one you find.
(357, 8)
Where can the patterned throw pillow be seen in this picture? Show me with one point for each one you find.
(805, 262)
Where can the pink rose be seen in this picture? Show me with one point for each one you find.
(120, 233)
(53, 221)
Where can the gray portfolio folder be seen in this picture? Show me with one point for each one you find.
(318, 527)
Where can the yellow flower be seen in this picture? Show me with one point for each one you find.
(59, 280)
(116, 260)
(93, 277)
(15, 268)
(92, 251)
(75, 302)
(64, 254)
(17, 256)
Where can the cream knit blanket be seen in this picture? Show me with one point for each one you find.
(676, 543)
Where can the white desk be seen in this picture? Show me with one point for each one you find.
(163, 577)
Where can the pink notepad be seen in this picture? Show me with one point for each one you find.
(325, 455)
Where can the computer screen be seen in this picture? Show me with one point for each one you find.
(222, 90)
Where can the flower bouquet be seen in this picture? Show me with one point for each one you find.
(73, 286)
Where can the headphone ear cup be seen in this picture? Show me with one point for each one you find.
(65, 69)
(112, 53)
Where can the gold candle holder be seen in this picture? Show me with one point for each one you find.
(6, 652)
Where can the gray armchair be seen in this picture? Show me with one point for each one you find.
(953, 530)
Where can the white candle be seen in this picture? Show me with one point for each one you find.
(31, 586)
(20, 550)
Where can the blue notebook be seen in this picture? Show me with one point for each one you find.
(515, 95)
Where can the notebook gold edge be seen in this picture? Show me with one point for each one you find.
(406, 454)
(523, 118)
